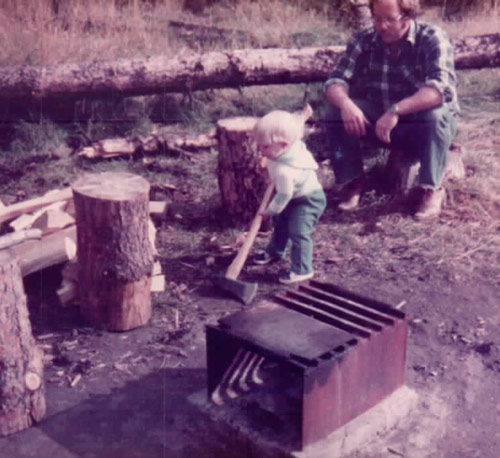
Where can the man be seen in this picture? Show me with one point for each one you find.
(395, 86)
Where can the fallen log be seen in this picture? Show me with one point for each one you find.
(191, 71)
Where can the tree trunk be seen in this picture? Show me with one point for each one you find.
(114, 252)
(22, 393)
(242, 179)
(190, 71)
(362, 13)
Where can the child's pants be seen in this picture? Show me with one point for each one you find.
(294, 226)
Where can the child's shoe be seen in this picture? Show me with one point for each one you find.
(264, 258)
(291, 277)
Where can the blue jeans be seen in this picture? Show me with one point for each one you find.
(293, 227)
(423, 137)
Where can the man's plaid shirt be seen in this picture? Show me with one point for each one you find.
(369, 72)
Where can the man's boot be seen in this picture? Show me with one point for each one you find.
(351, 193)
(430, 203)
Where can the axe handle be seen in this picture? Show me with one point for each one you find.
(235, 267)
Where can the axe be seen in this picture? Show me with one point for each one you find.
(244, 291)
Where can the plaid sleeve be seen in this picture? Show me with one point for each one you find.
(344, 71)
(439, 64)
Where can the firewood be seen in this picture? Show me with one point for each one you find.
(152, 236)
(114, 147)
(110, 147)
(15, 238)
(25, 221)
(52, 220)
(157, 283)
(53, 249)
(157, 208)
(156, 268)
(114, 249)
(66, 292)
(27, 206)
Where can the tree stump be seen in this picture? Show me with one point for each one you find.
(242, 178)
(114, 252)
(403, 176)
(22, 392)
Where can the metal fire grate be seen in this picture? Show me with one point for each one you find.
(300, 367)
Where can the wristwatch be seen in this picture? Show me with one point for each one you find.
(394, 109)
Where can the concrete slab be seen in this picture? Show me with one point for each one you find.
(355, 435)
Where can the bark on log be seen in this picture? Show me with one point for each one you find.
(22, 392)
(114, 251)
(217, 69)
(242, 180)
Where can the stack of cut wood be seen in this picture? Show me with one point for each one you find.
(113, 147)
(42, 233)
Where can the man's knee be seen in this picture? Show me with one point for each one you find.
(437, 118)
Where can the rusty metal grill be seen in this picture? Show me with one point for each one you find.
(300, 366)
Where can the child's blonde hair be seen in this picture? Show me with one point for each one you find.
(281, 126)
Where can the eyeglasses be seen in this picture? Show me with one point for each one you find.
(387, 20)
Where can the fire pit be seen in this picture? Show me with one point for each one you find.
(299, 367)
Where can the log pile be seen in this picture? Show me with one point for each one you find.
(42, 233)
(113, 147)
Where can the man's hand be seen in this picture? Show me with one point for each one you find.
(353, 118)
(384, 126)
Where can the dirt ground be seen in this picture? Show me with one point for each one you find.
(131, 394)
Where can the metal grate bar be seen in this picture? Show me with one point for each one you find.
(322, 316)
(336, 311)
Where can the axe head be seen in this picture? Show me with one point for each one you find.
(243, 291)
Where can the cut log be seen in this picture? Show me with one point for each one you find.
(403, 176)
(22, 399)
(27, 206)
(158, 283)
(52, 220)
(157, 209)
(26, 220)
(153, 143)
(15, 238)
(67, 292)
(114, 250)
(53, 249)
(217, 69)
(242, 179)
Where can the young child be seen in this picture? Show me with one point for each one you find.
(299, 200)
